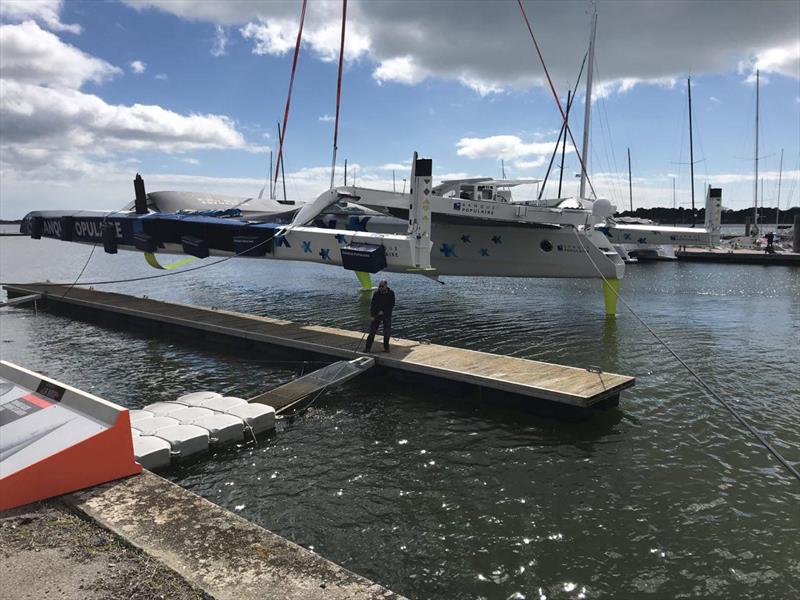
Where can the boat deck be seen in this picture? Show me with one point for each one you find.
(535, 379)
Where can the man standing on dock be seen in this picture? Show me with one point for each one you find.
(381, 312)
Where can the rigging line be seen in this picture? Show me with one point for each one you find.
(563, 124)
(691, 371)
(555, 95)
(610, 140)
(338, 94)
(291, 85)
(159, 276)
(88, 259)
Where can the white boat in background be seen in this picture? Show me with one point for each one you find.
(641, 252)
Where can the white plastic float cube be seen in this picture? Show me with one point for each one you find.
(185, 440)
(259, 417)
(151, 452)
(223, 403)
(151, 426)
(197, 398)
(189, 413)
(163, 409)
(222, 428)
(138, 415)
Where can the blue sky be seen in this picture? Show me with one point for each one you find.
(93, 92)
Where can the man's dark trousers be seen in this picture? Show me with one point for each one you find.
(373, 329)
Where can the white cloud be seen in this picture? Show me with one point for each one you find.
(483, 88)
(42, 115)
(161, 77)
(138, 67)
(400, 69)
(52, 133)
(504, 146)
(46, 11)
(620, 86)
(220, 41)
(326, 118)
(485, 46)
(33, 55)
(715, 99)
(530, 164)
(191, 161)
(783, 60)
(271, 37)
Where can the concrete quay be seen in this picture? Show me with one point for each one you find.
(146, 537)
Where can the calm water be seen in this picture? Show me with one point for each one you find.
(434, 496)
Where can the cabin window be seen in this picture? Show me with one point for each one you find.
(546, 245)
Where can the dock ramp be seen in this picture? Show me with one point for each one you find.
(290, 395)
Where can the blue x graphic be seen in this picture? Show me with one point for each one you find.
(307, 247)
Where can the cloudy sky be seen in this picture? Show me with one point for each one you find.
(189, 93)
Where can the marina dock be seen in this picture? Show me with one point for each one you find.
(738, 256)
(562, 385)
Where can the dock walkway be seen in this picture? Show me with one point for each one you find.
(545, 381)
(739, 256)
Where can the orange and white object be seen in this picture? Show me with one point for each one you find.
(56, 439)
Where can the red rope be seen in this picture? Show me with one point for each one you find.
(555, 95)
(289, 95)
(338, 93)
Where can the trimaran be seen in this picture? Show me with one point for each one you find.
(467, 227)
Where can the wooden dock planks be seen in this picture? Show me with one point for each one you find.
(546, 381)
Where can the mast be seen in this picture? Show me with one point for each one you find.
(674, 205)
(587, 113)
(394, 186)
(778, 207)
(283, 174)
(755, 161)
(271, 193)
(564, 145)
(691, 146)
(630, 181)
(345, 171)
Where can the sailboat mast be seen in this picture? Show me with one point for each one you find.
(691, 147)
(587, 113)
(564, 145)
(630, 181)
(755, 161)
(778, 204)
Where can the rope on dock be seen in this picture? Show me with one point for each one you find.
(697, 377)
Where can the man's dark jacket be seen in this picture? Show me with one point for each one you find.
(382, 302)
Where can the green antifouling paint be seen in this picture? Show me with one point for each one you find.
(153, 262)
(364, 279)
